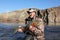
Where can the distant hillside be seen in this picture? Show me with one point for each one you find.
(17, 16)
(50, 16)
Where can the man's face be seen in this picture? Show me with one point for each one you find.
(32, 14)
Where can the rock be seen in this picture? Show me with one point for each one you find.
(51, 16)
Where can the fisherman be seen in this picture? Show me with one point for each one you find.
(35, 25)
(27, 22)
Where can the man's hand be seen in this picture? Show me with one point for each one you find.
(31, 28)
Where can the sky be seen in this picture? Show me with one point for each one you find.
(11, 5)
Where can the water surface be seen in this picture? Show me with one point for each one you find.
(7, 29)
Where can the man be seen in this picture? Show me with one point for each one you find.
(27, 22)
(36, 28)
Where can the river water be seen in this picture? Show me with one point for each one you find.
(7, 30)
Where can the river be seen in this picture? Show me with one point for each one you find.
(7, 29)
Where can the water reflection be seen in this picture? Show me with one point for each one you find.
(52, 32)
